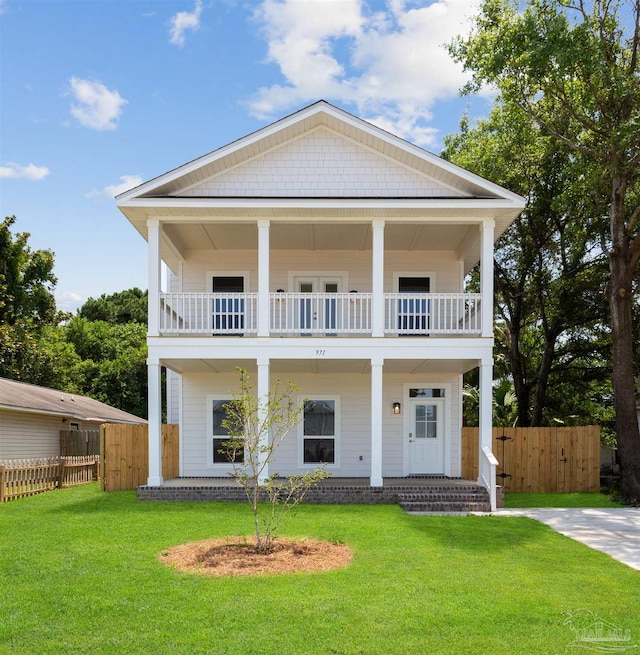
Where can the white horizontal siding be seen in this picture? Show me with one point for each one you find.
(321, 163)
(24, 435)
(173, 397)
(354, 392)
(357, 264)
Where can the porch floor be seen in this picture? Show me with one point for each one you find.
(417, 482)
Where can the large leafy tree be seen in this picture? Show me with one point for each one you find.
(112, 364)
(572, 67)
(128, 306)
(549, 311)
(27, 306)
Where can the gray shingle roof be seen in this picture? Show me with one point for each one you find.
(24, 397)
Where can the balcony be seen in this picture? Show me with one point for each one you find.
(320, 314)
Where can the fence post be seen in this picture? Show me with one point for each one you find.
(96, 474)
(61, 472)
(3, 483)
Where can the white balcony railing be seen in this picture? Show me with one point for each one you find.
(209, 313)
(432, 313)
(329, 314)
(320, 314)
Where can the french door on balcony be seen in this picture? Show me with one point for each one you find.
(413, 312)
(319, 313)
(228, 312)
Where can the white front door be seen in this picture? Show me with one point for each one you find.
(426, 436)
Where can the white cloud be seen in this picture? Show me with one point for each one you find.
(95, 106)
(68, 301)
(391, 64)
(13, 171)
(185, 20)
(112, 190)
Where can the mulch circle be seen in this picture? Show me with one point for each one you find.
(233, 556)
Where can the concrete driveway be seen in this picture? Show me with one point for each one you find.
(612, 531)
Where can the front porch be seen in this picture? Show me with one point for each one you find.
(431, 493)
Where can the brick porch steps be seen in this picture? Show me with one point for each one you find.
(473, 498)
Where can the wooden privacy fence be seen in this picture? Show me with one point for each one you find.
(26, 477)
(546, 460)
(74, 443)
(124, 455)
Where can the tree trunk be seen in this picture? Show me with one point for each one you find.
(620, 303)
(544, 370)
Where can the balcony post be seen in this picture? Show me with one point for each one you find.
(377, 280)
(155, 424)
(376, 422)
(263, 278)
(263, 401)
(153, 239)
(486, 278)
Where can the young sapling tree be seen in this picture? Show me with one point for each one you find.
(256, 428)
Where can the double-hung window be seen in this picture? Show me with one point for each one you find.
(219, 434)
(320, 430)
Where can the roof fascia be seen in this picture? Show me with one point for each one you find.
(45, 412)
(327, 203)
(70, 415)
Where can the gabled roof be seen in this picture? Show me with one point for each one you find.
(23, 397)
(320, 113)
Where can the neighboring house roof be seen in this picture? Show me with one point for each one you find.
(196, 190)
(23, 397)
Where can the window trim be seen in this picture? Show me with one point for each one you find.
(243, 274)
(216, 466)
(336, 437)
(428, 274)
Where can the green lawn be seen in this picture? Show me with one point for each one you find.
(559, 500)
(79, 574)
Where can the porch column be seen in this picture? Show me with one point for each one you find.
(377, 280)
(153, 240)
(155, 424)
(376, 422)
(263, 278)
(486, 406)
(263, 398)
(486, 277)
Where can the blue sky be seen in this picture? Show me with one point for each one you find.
(99, 95)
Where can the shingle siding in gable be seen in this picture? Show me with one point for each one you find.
(321, 164)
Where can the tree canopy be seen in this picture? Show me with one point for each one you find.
(571, 67)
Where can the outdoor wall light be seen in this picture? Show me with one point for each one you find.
(397, 407)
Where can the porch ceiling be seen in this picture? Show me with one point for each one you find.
(288, 366)
(323, 236)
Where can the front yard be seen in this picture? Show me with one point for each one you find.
(80, 574)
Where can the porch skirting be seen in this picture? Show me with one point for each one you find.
(335, 491)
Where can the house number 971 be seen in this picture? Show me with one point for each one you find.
(320, 352)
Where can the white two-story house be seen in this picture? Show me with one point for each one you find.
(324, 251)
